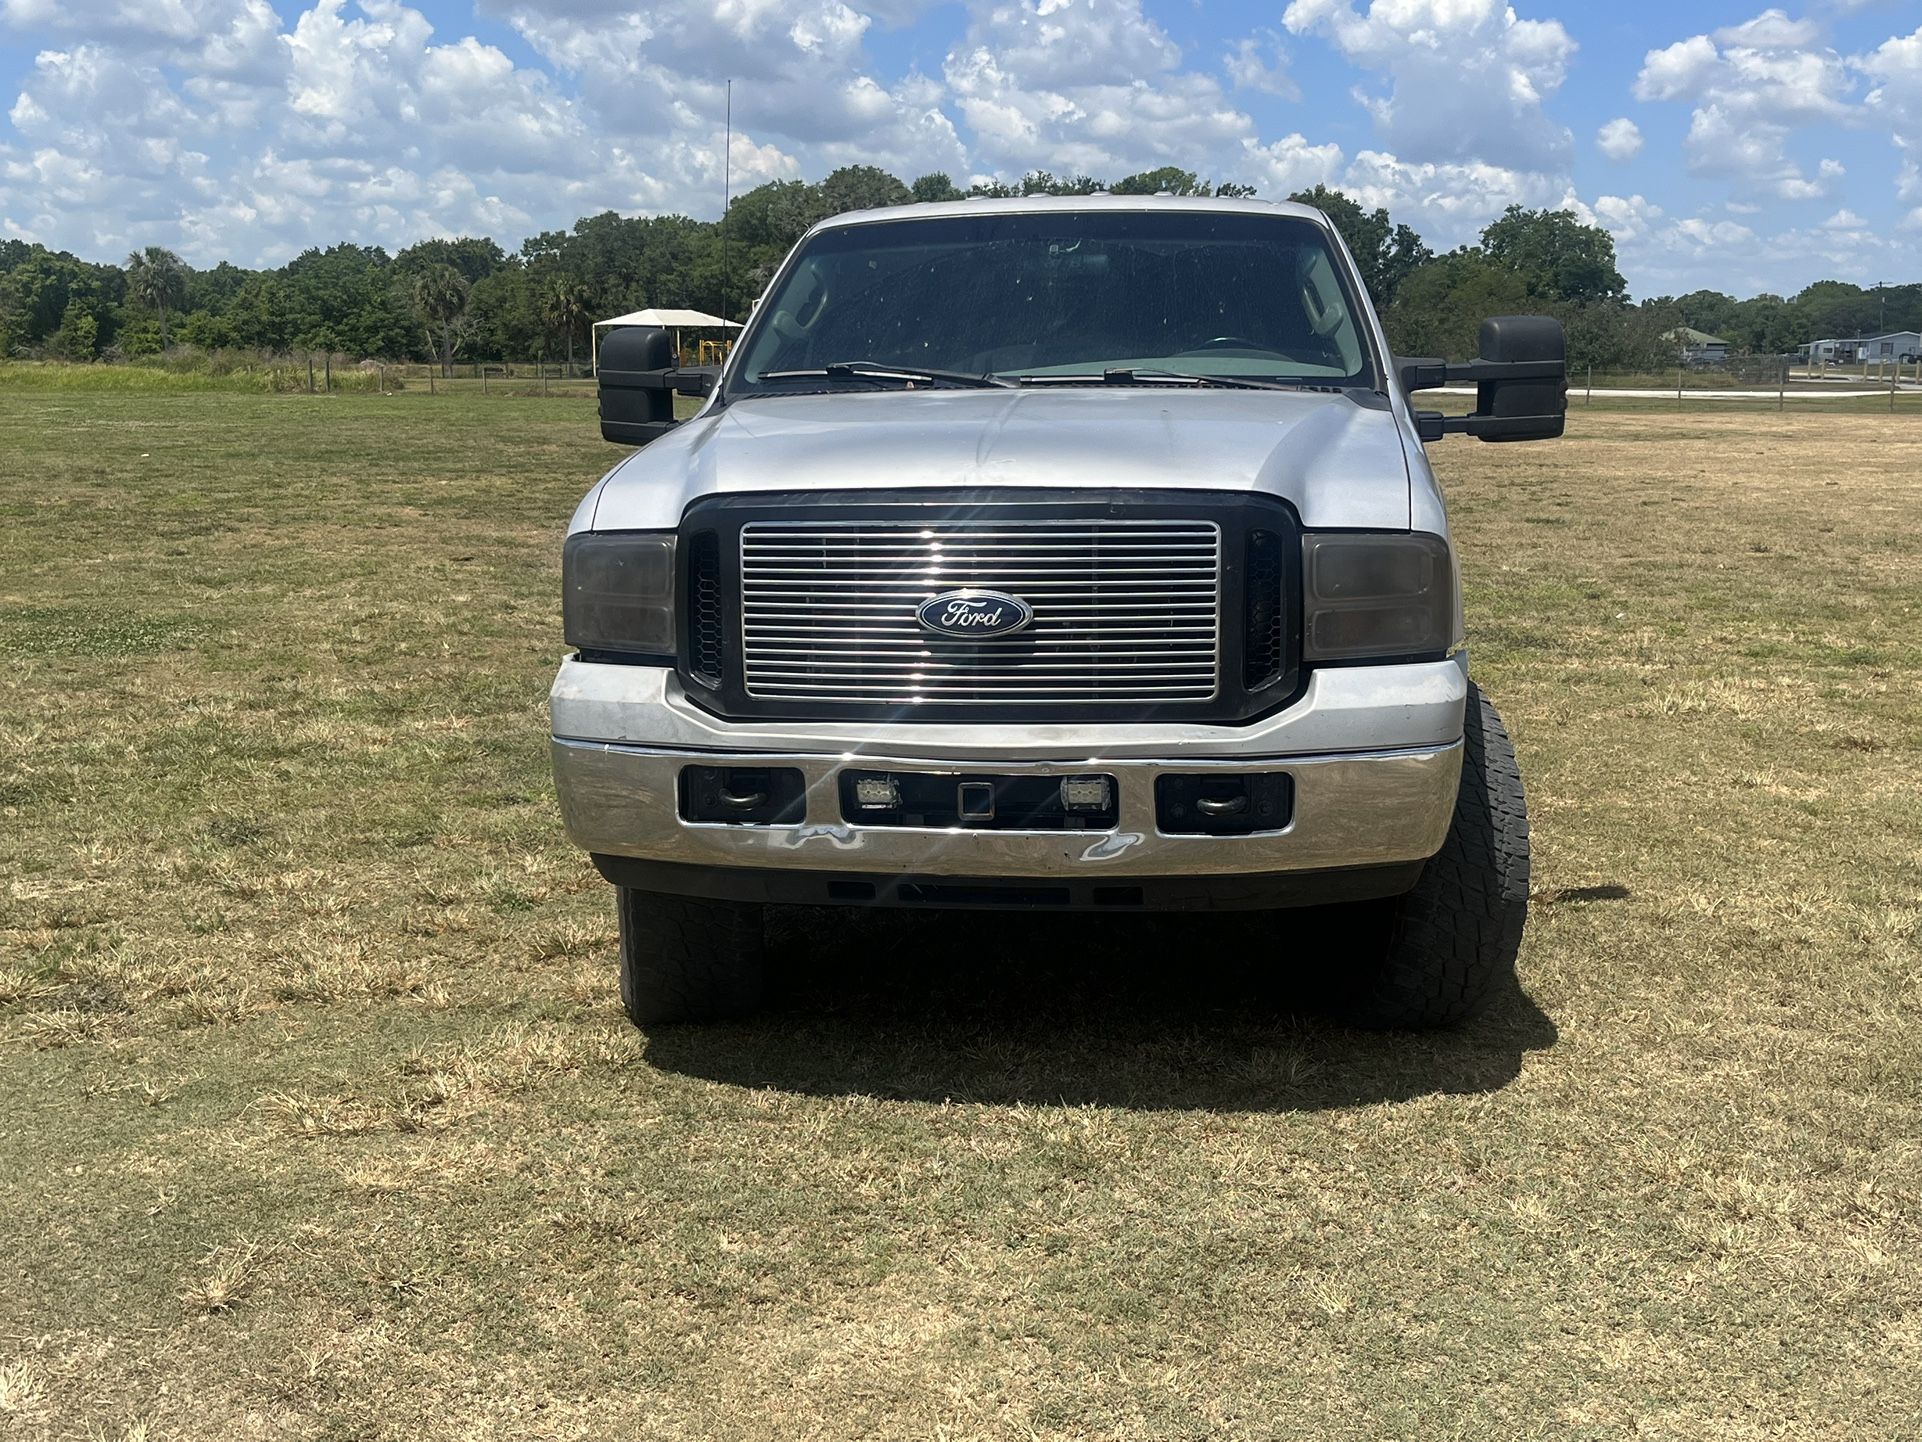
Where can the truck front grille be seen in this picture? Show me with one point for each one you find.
(1125, 612)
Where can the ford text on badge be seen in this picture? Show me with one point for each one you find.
(974, 613)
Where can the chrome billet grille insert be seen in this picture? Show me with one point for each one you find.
(1124, 611)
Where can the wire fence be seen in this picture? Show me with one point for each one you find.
(1781, 378)
(505, 378)
(327, 374)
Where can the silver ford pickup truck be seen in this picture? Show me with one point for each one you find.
(1064, 553)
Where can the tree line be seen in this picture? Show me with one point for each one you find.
(469, 299)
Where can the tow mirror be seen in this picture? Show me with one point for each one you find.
(638, 382)
(1521, 382)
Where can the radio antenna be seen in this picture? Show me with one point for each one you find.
(727, 195)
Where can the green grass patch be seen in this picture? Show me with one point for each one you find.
(155, 377)
(85, 631)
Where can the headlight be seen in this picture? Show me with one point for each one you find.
(617, 592)
(1375, 596)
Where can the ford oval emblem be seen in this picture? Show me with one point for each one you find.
(974, 613)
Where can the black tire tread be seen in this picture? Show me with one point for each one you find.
(1453, 940)
(684, 958)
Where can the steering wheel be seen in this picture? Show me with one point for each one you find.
(1239, 342)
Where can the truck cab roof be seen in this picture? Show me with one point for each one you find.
(1071, 204)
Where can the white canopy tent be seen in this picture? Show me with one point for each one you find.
(666, 319)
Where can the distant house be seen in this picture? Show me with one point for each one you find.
(1891, 347)
(1698, 346)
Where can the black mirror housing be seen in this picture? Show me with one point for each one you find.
(1521, 382)
(636, 405)
(1523, 407)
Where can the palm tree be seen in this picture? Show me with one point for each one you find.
(157, 279)
(563, 307)
(441, 294)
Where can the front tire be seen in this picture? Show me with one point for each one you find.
(684, 958)
(1450, 944)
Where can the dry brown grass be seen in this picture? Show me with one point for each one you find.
(226, 1275)
(23, 1387)
(317, 1119)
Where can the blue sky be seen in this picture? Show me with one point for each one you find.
(1736, 146)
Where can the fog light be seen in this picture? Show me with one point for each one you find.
(1086, 793)
(876, 793)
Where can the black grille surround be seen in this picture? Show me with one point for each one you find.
(1265, 653)
(1258, 634)
(706, 632)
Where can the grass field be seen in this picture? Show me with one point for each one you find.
(188, 375)
(318, 1118)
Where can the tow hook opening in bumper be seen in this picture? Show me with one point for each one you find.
(743, 795)
(1216, 803)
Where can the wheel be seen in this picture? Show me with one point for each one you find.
(1448, 947)
(687, 959)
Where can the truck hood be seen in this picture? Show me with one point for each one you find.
(1339, 460)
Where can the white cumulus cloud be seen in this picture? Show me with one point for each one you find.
(1751, 87)
(1449, 202)
(1290, 164)
(1894, 70)
(1466, 80)
(1627, 217)
(1257, 62)
(1089, 87)
(1620, 139)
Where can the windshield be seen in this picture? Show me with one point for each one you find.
(1049, 297)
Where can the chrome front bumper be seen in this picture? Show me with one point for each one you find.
(1375, 753)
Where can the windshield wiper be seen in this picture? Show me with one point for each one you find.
(1149, 375)
(1129, 375)
(879, 371)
